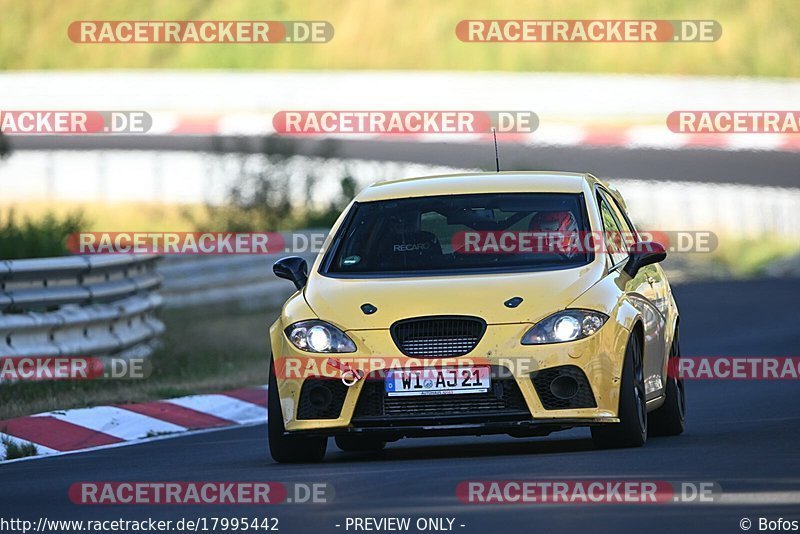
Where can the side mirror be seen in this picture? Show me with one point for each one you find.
(644, 253)
(292, 268)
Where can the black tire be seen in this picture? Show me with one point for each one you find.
(283, 447)
(631, 431)
(670, 418)
(355, 443)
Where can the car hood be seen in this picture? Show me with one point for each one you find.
(339, 300)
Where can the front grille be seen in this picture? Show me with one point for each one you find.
(583, 398)
(321, 398)
(504, 398)
(437, 337)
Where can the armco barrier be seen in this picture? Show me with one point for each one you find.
(79, 306)
(245, 281)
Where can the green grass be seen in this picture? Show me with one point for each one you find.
(759, 37)
(734, 258)
(36, 237)
(747, 258)
(15, 450)
(107, 217)
(202, 353)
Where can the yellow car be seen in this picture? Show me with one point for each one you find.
(516, 303)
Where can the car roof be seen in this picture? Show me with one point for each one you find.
(481, 182)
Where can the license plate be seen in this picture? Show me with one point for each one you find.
(438, 381)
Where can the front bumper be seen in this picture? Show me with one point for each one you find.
(391, 431)
(598, 357)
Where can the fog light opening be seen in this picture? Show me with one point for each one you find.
(564, 387)
(320, 397)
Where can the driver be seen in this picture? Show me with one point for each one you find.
(560, 231)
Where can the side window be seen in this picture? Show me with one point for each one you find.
(612, 233)
(628, 232)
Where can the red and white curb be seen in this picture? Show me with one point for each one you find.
(548, 134)
(65, 431)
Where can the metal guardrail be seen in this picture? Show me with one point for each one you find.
(79, 306)
(245, 281)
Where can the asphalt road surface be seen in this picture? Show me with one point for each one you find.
(741, 435)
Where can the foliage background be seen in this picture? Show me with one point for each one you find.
(759, 37)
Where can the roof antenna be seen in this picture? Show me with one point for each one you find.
(496, 155)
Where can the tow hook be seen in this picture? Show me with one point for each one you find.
(350, 376)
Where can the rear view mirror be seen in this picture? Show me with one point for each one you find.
(644, 253)
(292, 268)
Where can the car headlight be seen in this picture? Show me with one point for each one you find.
(319, 336)
(567, 325)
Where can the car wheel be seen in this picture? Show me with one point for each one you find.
(354, 443)
(286, 448)
(631, 431)
(670, 418)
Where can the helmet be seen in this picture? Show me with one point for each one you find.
(562, 230)
(553, 221)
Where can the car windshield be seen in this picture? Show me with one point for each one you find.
(456, 234)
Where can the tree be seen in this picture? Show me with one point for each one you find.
(5, 150)
(260, 199)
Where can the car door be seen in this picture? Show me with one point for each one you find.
(646, 290)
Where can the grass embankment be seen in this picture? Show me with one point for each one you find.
(747, 258)
(204, 352)
(14, 450)
(734, 258)
(111, 217)
(759, 37)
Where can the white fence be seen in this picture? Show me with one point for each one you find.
(732, 210)
(189, 177)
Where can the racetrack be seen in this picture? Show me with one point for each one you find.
(743, 435)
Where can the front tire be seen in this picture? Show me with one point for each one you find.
(283, 447)
(670, 418)
(631, 431)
